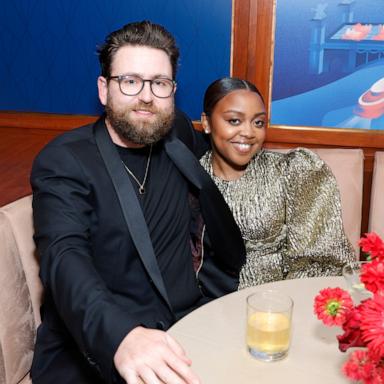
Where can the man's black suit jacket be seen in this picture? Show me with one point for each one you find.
(85, 212)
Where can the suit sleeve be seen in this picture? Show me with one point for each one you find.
(183, 129)
(62, 206)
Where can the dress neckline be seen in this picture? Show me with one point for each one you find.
(209, 168)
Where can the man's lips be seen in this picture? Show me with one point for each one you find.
(143, 112)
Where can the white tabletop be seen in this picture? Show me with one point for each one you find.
(214, 338)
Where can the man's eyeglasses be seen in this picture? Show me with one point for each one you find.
(130, 85)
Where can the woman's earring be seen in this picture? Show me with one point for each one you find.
(206, 129)
(205, 123)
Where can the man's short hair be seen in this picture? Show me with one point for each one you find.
(142, 33)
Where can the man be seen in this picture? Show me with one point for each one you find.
(113, 226)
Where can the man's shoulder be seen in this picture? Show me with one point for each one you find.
(79, 140)
(183, 129)
(84, 132)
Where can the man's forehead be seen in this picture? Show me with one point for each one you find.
(141, 60)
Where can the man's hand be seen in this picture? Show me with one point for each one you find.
(153, 357)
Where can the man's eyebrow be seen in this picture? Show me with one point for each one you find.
(156, 76)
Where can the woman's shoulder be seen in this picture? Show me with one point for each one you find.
(298, 159)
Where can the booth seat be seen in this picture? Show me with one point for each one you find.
(376, 214)
(348, 167)
(21, 290)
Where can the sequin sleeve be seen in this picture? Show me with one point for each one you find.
(316, 243)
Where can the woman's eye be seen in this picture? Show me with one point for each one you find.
(234, 121)
(259, 123)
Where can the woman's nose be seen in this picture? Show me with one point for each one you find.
(247, 130)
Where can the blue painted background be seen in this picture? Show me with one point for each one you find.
(48, 60)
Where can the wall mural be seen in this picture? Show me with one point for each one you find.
(329, 64)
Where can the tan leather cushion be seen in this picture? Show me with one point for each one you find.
(20, 291)
(26, 380)
(348, 167)
(376, 215)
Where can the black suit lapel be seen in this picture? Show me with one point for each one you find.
(222, 229)
(130, 206)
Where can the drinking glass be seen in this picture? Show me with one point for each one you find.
(269, 315)
(356, 288)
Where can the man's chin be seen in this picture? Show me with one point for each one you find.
(142, 133)
(140, 128)
(142, 122)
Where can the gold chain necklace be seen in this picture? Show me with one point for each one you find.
(141, 185)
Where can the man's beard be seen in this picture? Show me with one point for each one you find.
(140, 131)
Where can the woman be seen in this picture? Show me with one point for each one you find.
(287, 206)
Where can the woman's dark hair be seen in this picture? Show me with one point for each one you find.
(142, 33)
(222, 87)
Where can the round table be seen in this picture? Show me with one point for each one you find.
(214, 338)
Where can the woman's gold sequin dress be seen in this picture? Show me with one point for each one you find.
(288, 209)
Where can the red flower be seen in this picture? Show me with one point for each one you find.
(332, 305)
(363, 325)
(359, 366)
(372, 325)
(373, 245)
(352, 336)
(372, 275)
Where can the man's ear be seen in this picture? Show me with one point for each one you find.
(102, 86)
(205, 123)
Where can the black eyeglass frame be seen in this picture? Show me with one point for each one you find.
(120, 78)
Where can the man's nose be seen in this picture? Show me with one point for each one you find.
(146, 94)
